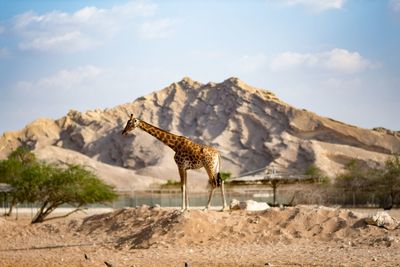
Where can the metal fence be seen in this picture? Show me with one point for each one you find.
(311, 194)
(166, 198)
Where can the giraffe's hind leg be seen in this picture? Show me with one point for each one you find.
(209, 198)
(212, 165)
(212, 182)
(215, 181)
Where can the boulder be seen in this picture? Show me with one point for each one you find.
(382, 219)
(249, 205)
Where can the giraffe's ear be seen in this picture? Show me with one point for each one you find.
(131, 116)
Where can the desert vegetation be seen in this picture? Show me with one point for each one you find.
(49, 186)
(357, 186)
(363, 185)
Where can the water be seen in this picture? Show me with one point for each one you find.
(169, 198)
(174, 199)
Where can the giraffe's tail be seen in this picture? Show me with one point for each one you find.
(216, 181)
(219, 179)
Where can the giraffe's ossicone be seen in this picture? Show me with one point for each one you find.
(188, 155)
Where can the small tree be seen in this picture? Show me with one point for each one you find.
(225, 175)
(315, 172)
(76, 186)
(171, 184)
(51, 186)
(390, 182)
(355, 180)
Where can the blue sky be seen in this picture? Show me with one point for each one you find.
(337, 58)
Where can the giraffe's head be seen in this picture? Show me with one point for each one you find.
(130, 125)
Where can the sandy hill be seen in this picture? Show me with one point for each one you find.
(251, 127)
(145, 226)
(154, 236)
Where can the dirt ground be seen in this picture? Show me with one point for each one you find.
(153, 236)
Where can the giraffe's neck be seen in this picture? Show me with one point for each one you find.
(167, 138)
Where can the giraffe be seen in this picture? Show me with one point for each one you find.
(188, 155)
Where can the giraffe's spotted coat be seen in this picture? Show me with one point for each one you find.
(188, 155)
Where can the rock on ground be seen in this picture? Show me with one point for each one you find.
(382, 219)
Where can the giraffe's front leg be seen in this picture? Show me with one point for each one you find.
(186, 193)
(183, 190)
(182, 174)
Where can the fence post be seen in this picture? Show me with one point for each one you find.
(135, 193)
(4, 203)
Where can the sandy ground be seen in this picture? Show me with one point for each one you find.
(145, 236)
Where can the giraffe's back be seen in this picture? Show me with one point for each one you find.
(190, 155)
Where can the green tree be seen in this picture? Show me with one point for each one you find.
(315, 172)
(225, 175)
(54, 186)
(51, 186)
(355, 180)
(171, 183)
(390, 181)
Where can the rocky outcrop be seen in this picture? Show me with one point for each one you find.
(386, 131)
(251, 127)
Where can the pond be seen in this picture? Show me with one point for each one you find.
(174, 198)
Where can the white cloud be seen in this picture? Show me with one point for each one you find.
(156, 29)
(81, 30)
(395, 5)
(66, 42)
(288, 60)
(342, 60)
(315, 5)
(63, 80)
(336, 60)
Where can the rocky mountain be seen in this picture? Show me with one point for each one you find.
(251, 127)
